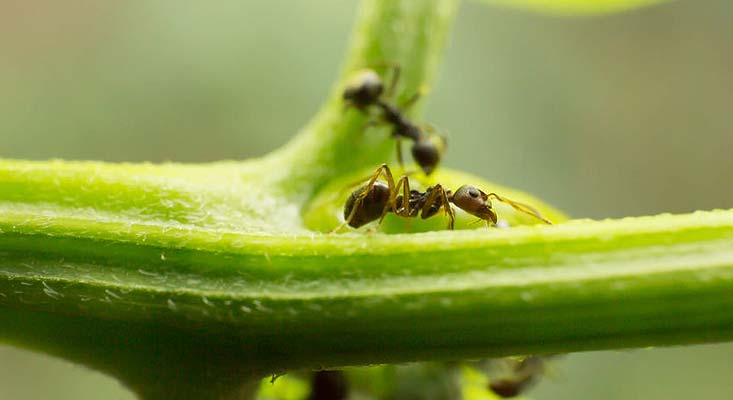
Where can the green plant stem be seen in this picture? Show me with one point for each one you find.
(447, 295)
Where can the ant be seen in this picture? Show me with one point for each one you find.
(329, 385)
(375, 199)
(366, 89)
(524, 373)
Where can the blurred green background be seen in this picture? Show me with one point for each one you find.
(611, 116)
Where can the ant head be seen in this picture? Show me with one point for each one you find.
(427, 151)
(364, 88)
(475, 202)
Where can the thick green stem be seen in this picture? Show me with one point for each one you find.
(346, 300)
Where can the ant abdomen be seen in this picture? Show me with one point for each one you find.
(371, 206)
(427, 151)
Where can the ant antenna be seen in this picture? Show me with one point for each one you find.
(521, 207)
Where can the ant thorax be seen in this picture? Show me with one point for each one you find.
(415, 202)
(434, 206)
(402, 126)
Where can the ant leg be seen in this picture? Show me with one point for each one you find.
(400, 159)
(383, 169)
(439, 193)
(521, 207)
(392, 87)
(394, 81)
(392, 191)
(479, 221)
(411, 101)
(402, 210)
(372, 122)
(389, 177)
(395, 76)
(447, 207)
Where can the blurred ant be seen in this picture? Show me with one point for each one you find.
(375, 199)
(329, 385)
(524, 373)
(366, 89)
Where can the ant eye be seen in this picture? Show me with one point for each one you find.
(473, 193)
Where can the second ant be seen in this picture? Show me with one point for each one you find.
(367, 90)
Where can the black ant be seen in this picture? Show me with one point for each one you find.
(375, 199)
(329, 385)
(524, 373)
(366, 89)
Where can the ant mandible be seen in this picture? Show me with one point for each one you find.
(366, 89)
(375, 199)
